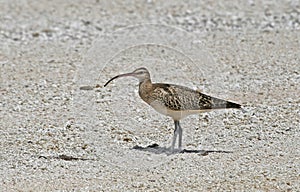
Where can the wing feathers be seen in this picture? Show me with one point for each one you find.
(177, 97)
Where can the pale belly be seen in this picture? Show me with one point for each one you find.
(175, 114)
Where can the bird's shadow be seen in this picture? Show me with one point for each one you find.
(156, 149)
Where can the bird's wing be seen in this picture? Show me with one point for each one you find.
(177, 97)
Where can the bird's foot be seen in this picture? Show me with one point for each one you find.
(174, 151)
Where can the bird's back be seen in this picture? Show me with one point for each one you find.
(180, 98)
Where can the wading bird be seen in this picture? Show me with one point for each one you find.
(174, 100)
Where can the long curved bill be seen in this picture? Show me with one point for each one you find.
(122, 75)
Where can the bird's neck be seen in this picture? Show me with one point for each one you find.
(145, 87)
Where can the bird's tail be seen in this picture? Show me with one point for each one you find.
(230, 104)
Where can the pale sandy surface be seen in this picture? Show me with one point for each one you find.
(48, 51)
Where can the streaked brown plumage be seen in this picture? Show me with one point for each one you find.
(174, 100)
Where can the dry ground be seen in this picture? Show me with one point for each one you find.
(61, 130)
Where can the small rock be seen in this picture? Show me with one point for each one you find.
(86, 88)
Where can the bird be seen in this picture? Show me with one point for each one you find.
(175, 101)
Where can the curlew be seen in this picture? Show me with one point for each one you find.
(174, 100)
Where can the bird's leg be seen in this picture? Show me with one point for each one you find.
(175, 134)
(180, 136)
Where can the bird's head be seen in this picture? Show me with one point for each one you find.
(141, 74)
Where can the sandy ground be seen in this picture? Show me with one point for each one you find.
(62, 131)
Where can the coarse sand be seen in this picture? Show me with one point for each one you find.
(61, 130)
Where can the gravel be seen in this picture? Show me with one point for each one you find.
(61, 130)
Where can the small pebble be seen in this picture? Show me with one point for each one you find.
(86, 88)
